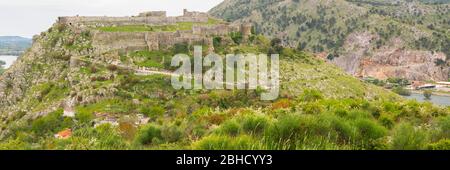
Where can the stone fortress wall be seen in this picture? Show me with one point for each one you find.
(131, 41)
(147, 18)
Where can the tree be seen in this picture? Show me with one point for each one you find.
(440, 62)
(402, 91)
(427, 94)
(276, 46)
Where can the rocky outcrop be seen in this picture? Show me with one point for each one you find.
(355, 47)
(392, 60)
(408, 64)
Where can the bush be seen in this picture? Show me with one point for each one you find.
(236, 37)
(108, 138)
(216, 142)
(93, 69)
(386, 120)
(344, 130)
(427, 94)
(149, 134)
(61, 27)
(254, 124)
(217, 41)
(444, 125)
(181, 48)
(284, 132)
(401, 91)
(408, 138)
(84, 117)
(230, 128)
(281, 104)
(369, 130)
(310, 95)
(112, 67)
(312, 108)
(48, 124)
(216, 119)
(171, 133)
(441, 145)
(127, 129)
(153, 112)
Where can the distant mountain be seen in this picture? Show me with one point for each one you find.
(367, 38)
(13, 45)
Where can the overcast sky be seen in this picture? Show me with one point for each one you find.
(29, 17)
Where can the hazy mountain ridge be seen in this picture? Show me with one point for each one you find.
(13, 45)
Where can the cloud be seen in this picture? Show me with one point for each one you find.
(30, 17)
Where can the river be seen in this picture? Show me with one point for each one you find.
(439, 100)
(8, 59)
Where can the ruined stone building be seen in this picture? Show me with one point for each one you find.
(201, 33)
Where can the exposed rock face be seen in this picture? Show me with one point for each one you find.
(392, 60)
(355, 49)
(368, 36)
(408, 64)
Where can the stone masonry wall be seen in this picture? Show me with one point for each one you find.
(131, 41)
(147, 18)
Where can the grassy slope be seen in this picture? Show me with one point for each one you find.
(320, 108)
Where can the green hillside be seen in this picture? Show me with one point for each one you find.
(319, 25)
(320, 106)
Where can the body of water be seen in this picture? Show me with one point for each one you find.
(8, 59)
(439, 100)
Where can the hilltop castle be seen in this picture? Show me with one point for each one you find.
(148, 40)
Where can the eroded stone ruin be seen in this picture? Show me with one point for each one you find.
(147, 40)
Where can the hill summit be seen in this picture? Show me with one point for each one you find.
(367, 38)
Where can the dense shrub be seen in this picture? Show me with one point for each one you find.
(93, 69)
(181, 48)
(231, 128)
(50, 123)
(108, 138)
(153, 112)
(369, 130)
(310, 95)
(444, 125)
(285, 131)
(254, 124)
(127, 129)
(401, 91)
(441, 145)
(171, 133)
(84, 117)
(386, 120)
(236, 37)
(216, 142)
(217, 42)
(406, 137)
(149, 134)
(312, 108)
(345, 131)
(281, 104)
(112, 67)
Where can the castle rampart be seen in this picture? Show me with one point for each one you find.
(130, 41)
(145, 18)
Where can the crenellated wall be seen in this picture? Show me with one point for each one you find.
(145, 18)
(131, 41)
